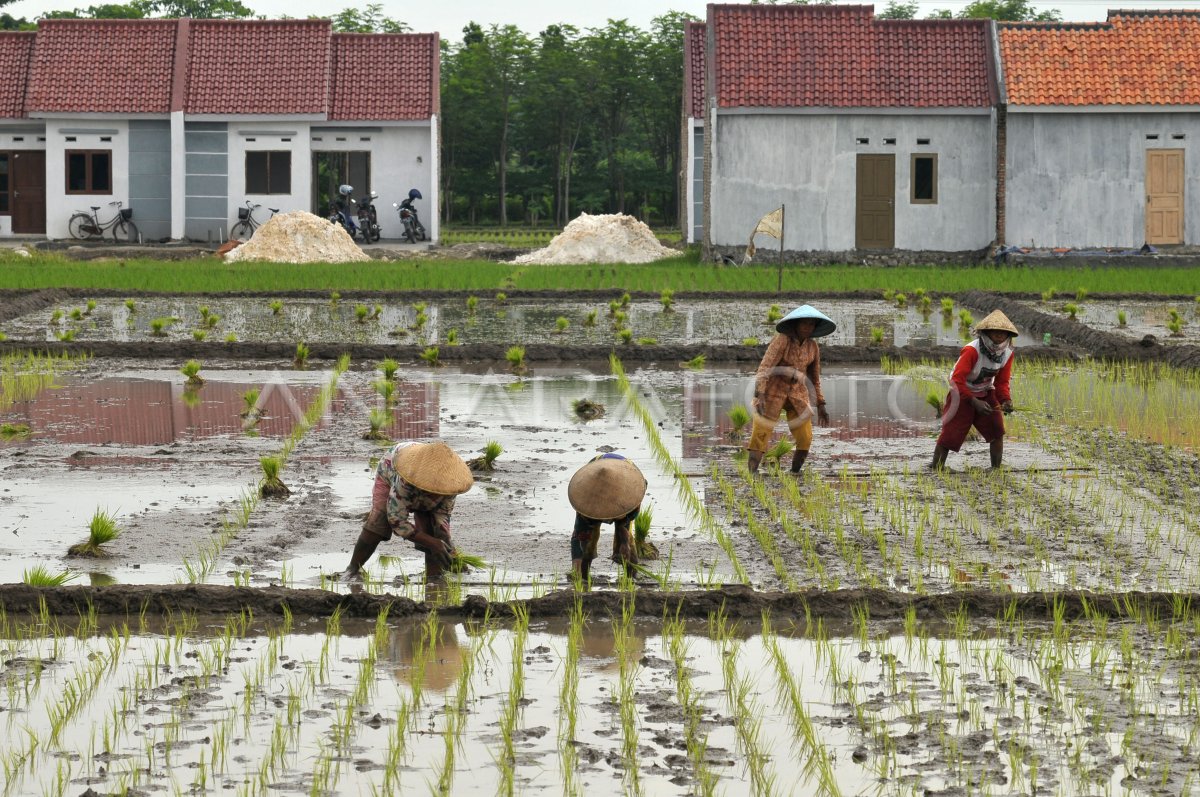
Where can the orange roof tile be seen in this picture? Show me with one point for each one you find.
(15, 49)
(400, 71)
(1135, 58)
(840, 56)
(693, 69)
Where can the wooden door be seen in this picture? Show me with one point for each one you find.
(875, 202)
(1164, 196)
(29, 192)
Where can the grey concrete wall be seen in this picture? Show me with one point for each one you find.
(150, 177)
(1079, 179)
(808, 163)
(206, 184)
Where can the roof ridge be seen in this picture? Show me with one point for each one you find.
(1153, 12)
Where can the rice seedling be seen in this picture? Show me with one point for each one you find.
(626, 299)
(361, 311)
(276, 307)
(739, 416)
(158, 326)
(667, 299)
(420, 321)
(389, 367)
(3, 337)
(250, 403)
(56, 316)
(647, 341)
(486, 462)
(613, 307)
(378, 419)
(67, 335)
(568, 699)
(334, 298)
(472, 304)
(102, 529)
(516, 359)
(1121, 318)
(191, 369)
(947, 305)
(1071, 309)
(625, 693)
(501, 297)
(749, 341)
(76, 314)
(464, 562)
(925, 305)
(1175, 326)
(590, 319)
(774, 313)
(131, 305)
(877, 335)
(385, 388)
(889, 295)
(646, 550)
(12, 431)
(300, 361)
(560, 324)
(625, 335)
(231, 337)
(376, 312)
(586, 409)
(430, 355)
(696, 363)
(272, 486)
(1048, 294)
(901, 300)
(934, 399)
(965, 319)
(452, 337)
(619, 319)
(199, 335)
(40, 576)
(1081, 294)
(781, 448)
(211, 320)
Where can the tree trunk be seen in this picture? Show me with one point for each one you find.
(504, 169)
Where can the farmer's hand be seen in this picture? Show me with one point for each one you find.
(1007, 407)
(822, 413)
(981, 406)
(440, 549)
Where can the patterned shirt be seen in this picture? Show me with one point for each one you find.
(784, 372)
(404, 498)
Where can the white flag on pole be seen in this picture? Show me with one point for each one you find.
(770, 224)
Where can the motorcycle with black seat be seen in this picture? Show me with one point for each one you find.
(368, 222)
(340, 210)
(410, 222)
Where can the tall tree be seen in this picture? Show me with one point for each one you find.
(367, 20)
(615, 55)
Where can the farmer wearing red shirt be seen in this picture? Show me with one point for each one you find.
(979, 391)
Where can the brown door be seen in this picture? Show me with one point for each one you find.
(875, 203)
(29, 192)
(1164, 196)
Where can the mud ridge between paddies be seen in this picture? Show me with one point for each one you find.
(736, 601)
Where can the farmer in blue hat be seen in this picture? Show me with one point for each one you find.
(792, 361)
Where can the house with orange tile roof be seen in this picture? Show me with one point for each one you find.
(691, 188)
(873, 134)
(184, 120)
(1100, 133)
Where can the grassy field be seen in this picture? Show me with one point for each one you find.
(684, 273)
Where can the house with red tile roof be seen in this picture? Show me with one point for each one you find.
(1100, 133)
(691, 193)
(184, 120)
(873, 134)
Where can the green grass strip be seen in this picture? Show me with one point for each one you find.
(683, 273)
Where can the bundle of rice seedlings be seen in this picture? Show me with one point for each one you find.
(587, 409)
(464, 563)
(378, 419)
(487, 462)
(40, 576)
(272, 486)
(782, 447)
(102, 529)
(646, 550)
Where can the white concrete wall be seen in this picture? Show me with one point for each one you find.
(266, 137)
(59, 204)
(808, 163)
(1079, 179)
(402, 158)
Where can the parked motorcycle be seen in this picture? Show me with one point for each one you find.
(410, 222)
(368, 222)
(339, 210)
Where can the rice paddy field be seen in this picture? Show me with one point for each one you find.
(865, 627)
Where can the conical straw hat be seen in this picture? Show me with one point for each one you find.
(996, 320)
(824, 325)
(434, 468)
(607, 488)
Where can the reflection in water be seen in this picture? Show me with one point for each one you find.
(433, 642)
(158, 412)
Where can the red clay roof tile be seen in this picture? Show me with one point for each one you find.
(15, 50)
(384, 76)
(274, 67)
(694, 34)
(840, 56)
(102, 66)
(1135, 58)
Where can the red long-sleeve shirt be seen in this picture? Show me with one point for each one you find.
(973, 379)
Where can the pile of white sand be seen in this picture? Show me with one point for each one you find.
(299, 237)
(612, 238)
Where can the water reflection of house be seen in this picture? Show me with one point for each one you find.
(148, 412)
(415, 408)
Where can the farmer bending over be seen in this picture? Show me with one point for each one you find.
(979, 391)
(609, 489)
(792, 360)
(421, 479)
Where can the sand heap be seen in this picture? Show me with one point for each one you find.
(299, 237)
(612, 238)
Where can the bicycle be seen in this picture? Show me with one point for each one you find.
(88, 227)
(247, 224)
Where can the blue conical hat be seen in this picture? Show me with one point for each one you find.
(825, 325)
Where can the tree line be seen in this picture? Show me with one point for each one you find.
(537, 129)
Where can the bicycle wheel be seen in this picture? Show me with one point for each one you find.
(242, 231)
(81, 226)
(125, 232)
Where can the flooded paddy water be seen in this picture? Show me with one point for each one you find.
(510, 686)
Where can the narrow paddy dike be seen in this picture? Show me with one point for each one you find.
(734, 601)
